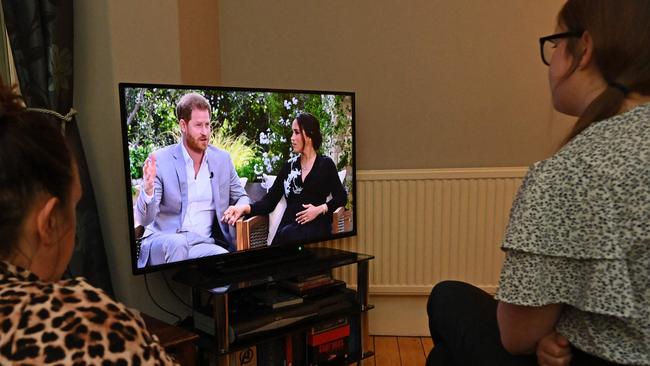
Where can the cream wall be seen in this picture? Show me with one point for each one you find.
(438, 83)
(130, 41)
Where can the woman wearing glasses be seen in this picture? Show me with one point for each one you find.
(574, 287)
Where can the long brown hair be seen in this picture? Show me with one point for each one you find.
(621, 41)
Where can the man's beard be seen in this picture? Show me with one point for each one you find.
(196, 144)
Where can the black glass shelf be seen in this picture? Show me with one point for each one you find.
(308, 261)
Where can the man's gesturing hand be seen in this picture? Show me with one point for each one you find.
(149, 174)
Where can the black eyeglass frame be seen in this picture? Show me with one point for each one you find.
(552, 37)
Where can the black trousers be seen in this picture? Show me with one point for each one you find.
(463, 325)
(291, 232)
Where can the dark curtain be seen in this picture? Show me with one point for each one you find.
(41, 37)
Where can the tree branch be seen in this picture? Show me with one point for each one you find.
(138, 103)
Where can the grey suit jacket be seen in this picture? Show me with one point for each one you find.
(166, 211)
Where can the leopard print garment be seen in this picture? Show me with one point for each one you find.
(69, 323)
(579, 234)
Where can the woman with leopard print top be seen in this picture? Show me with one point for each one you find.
(575, 284)
(43, 319)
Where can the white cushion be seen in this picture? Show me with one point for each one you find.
(276, 215)
(274, 219)
(267, 181)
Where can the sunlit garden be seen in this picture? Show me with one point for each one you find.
(254, 127)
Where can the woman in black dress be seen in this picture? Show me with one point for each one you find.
(305, 181)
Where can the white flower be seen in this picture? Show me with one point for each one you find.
(286, 187)
(287, 104)
(258, 169)
(294, 100)
(293, 174)
(267, 164)
(264, 138)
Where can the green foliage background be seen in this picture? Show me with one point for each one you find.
(254, 127)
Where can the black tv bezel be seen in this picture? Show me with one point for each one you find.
(233, 259)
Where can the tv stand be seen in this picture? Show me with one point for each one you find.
(226, 328)
(273, 258)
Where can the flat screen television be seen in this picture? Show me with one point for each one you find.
(197, 156)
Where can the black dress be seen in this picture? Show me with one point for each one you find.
(322, 180)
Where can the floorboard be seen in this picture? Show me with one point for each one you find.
(386, 351)
(427, 345)
(410, 351)
(398, 351)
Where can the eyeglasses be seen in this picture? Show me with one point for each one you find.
(547, 44)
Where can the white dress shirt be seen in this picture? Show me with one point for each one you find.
(200, 208)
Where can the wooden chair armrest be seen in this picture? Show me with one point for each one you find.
(257, 221)
(249, 231)
(341, 220)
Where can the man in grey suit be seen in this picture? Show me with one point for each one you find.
(187, 188)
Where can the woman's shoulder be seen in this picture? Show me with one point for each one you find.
(324, 158)
(623, 138)
(79, 322)
(326, 161)
(98, 310)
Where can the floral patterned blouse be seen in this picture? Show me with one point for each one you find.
(579, 234)
(69, 322)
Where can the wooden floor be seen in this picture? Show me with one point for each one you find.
(399, 351)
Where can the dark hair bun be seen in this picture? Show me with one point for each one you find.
(11, 103)
(34, 159)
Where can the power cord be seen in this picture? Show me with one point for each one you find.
(146, 284)
(173, 292)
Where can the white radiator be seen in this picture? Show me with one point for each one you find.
(424, 226)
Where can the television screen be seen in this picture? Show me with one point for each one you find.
(214, 173)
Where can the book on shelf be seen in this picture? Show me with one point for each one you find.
(335, 285)
(311, 280)
(307, 284)
(311, 277)
(301, 286)
(276, 299)
(327, 342)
